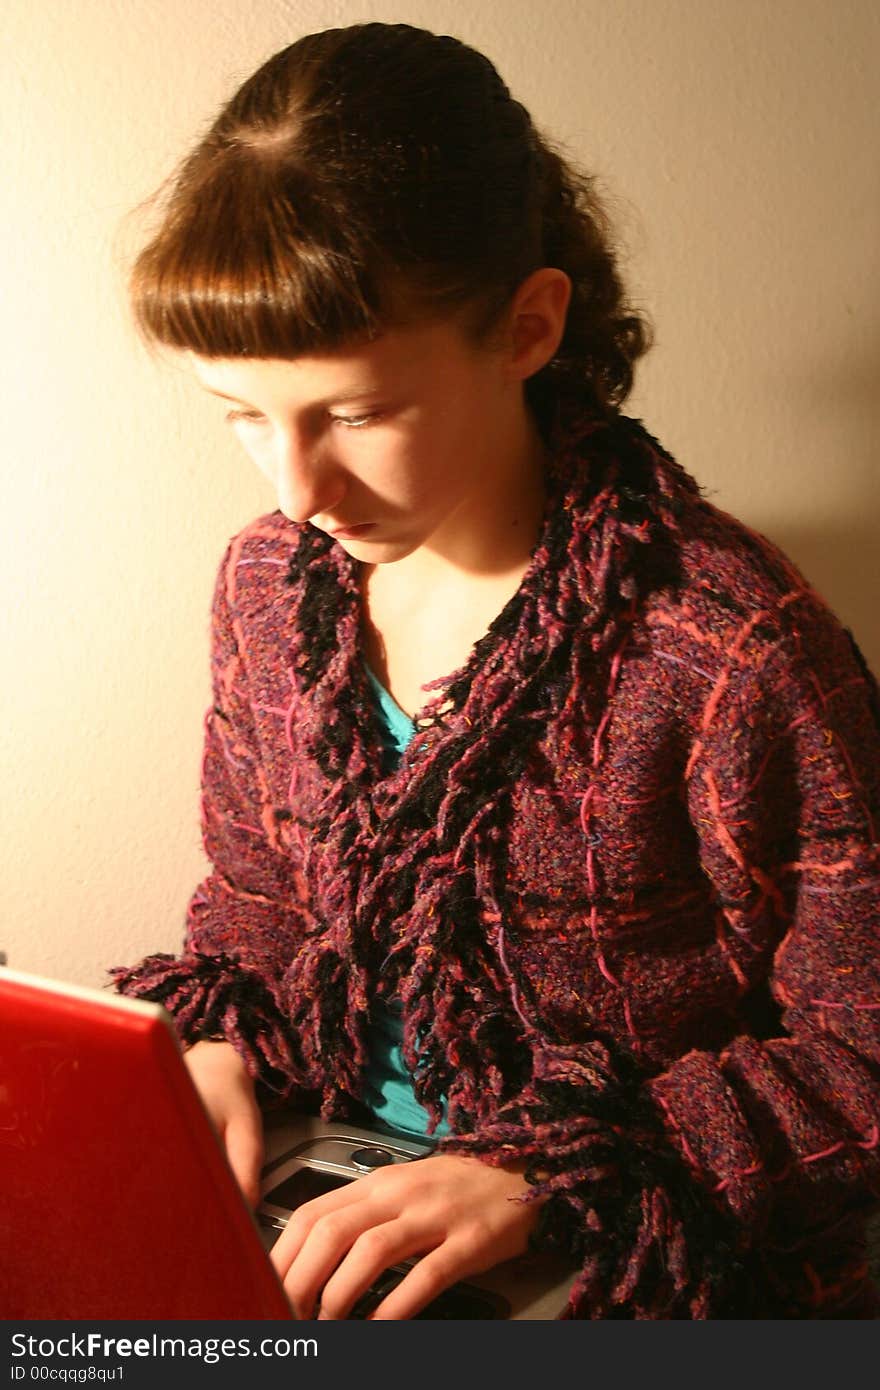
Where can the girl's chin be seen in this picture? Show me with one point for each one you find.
(375, 547)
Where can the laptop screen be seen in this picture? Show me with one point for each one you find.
(116, 1199)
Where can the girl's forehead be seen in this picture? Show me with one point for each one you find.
(405, 353)
(296, 374)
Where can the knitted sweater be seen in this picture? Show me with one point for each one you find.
(623, 881)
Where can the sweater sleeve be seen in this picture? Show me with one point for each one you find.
(683, 1193)
(247, 918)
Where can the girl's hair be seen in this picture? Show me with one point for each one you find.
(367, 178)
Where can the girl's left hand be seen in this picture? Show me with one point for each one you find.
(458, 1214)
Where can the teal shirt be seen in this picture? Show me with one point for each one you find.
(388, 1084)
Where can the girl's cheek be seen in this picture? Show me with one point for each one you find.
(261, 458)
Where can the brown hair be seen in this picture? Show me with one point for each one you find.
(369, 177)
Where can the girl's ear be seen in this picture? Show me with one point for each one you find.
(536, 321)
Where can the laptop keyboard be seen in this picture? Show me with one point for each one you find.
(462, 1301)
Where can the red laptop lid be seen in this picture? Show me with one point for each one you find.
(116, 1200)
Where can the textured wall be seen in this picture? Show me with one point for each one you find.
(737, 144)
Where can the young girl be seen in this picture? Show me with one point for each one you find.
(541, 795)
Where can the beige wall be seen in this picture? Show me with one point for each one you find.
(738, 142)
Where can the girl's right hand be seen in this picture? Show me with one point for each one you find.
(227, 1092)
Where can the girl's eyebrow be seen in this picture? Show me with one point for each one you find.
(222, 394)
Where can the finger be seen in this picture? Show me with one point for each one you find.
(243, 1139)
(327, 1243)
(301, 1221)
(376, 1250)
(435, 1272)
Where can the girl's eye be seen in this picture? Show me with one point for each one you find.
(355, 422)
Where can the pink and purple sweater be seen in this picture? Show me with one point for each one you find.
(623, 882)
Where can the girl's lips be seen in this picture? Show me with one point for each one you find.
(346, 532)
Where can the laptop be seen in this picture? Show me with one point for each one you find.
(116, 1199)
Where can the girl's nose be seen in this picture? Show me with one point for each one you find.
(306, 486)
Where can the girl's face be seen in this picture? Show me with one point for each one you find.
(414, 437)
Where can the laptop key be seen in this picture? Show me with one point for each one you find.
(462, 1301)
(369, 1301)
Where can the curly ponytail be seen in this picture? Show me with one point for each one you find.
(603, 336)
